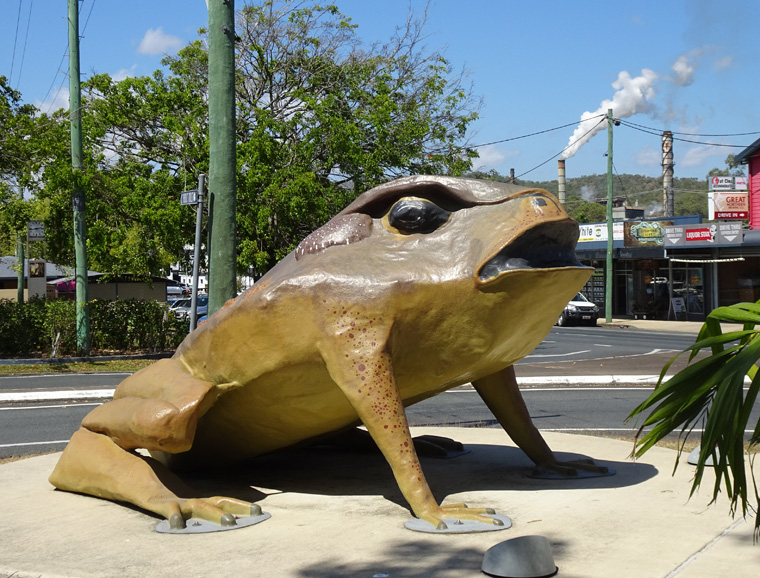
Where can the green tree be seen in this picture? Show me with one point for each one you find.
(585, 211)
(17, 164)
(321, 118)
(733, 169)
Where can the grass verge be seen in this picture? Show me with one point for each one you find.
(94, 366)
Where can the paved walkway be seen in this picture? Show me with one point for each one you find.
(338, 514)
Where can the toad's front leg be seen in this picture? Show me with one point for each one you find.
(370, 386)
(502, 396)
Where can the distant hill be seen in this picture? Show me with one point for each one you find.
(690, 195)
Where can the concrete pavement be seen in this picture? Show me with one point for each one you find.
(337, 513)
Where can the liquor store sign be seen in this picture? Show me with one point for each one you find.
(706, 235)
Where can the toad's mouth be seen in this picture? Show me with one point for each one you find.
(545, 246)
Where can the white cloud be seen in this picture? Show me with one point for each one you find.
(59, 100)
(156, 41)
(698, 155)
(648, 157)
(683, 70)
(723, 63)
(491, 157)
(123, 73)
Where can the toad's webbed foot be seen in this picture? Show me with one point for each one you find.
(200, 515)
(219, 510)
(458, 518)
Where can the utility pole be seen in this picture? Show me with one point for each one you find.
(608, 276)
(80, 226)
(222, 160)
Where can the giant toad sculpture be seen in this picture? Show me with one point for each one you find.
(420, 285)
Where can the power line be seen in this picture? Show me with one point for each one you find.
(592, 129)
(26, 38)
(658, 133)
(690, 133)
(528, 135)
(15, 40)
(65, 74)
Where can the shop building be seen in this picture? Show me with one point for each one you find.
(672, 268)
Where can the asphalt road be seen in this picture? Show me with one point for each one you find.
(30, 427)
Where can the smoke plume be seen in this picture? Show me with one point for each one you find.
(632, 95)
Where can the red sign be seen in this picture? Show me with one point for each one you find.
(707, 234)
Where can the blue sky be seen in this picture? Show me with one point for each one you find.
(681, 65)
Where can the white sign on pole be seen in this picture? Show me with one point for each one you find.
(35, 231)
(189, 198)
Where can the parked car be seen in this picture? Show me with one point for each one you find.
(173, 291)
(579, 311)
(181, 307)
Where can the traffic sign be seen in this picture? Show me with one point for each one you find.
(189, 197)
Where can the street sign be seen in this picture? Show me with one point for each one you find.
(189, 197)
(35, 231)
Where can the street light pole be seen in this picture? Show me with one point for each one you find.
(197, 252)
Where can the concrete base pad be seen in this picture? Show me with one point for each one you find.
(340, 514)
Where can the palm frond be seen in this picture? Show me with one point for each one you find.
(710, 392)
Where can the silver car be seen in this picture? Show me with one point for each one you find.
(181, 307)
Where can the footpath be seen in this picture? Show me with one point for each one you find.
(336, 513)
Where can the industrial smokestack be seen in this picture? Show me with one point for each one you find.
(668, 204)
(561, 180)
(512, 176)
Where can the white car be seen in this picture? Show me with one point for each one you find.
(182, 306)
(579, 311)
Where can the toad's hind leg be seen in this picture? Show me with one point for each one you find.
(100, 461)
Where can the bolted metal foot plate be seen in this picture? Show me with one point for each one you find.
(456, 526)
(198, 526)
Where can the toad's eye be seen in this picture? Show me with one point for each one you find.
(414, 215)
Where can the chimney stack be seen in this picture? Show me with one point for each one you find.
(561, 180)
(668, 204)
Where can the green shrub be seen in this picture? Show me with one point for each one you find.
(22, 327)
(44, 326)
(60, 327)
